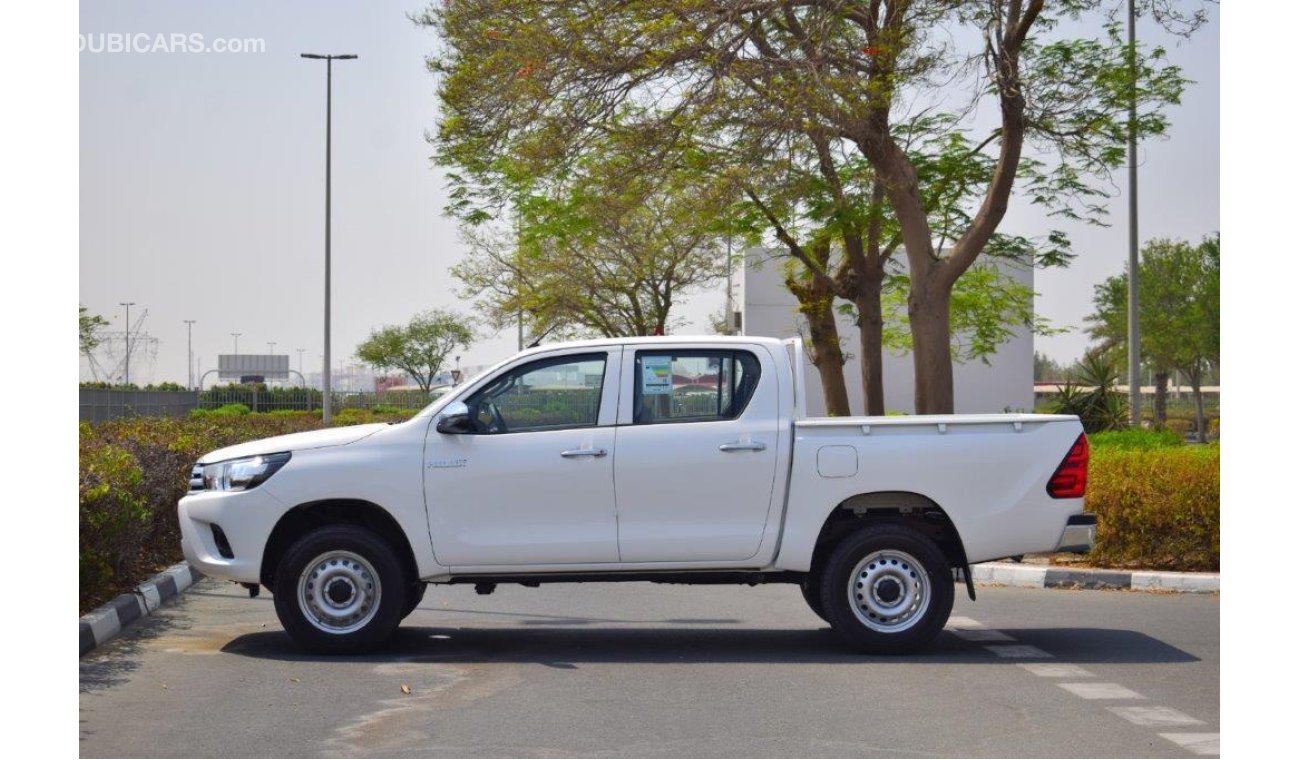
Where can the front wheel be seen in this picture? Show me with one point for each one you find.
(340, 590)
(887, 589)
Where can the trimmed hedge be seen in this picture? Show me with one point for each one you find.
(132, 471)
(1157, 508)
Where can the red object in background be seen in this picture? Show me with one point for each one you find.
(871, 50)
(659, 330)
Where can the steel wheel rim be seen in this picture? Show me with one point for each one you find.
(889, 591)
(339, 592)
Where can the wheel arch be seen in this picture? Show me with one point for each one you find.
(306, 517)
(907, 508)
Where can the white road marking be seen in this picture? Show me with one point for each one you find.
(1056, 670)
(1017, 651)
(958, 622)
(1201, 744)
(981, 634)
(1155, 716)
(1100, 690)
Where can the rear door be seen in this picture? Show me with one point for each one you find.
(697, 452)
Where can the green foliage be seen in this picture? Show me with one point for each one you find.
(1156, 508)
(260, 397)
(1135, 439)
(987, 307)
(132, 471)
(421, 347)
(603, 248)
(89, 327)
(1092, 397)
(225, 410)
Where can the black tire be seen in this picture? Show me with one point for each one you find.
(811, 588)
(414, 595)
(337, 548)
(910, 567)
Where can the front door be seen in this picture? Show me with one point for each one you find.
(697, 446)
(534, 482)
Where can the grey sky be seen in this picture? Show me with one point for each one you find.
(202, 181)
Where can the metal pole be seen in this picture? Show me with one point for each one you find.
(236, 342)
(127, 379)
(270, 345)
(329, 109)
(326, 410)
(1134, 330)
(189, 352)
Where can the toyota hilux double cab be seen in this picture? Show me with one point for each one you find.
(677, 460)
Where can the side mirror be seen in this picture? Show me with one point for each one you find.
(455, 419)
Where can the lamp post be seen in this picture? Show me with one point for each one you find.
(1134, 331)
(329, 103)
(270, 347)
(128, 304)
(236, 342)
(189, 351)
(300, 350)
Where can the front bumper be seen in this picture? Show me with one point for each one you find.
(246, 519)
(1080, 534)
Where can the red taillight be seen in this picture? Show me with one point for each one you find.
(1071, 479)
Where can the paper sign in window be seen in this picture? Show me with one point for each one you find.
(656, 376)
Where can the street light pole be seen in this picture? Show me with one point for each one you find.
(189, 351)
(270, 345)
(236, 342)
(329, 105)
(1134, 330)
(128, 304)
(300, 350)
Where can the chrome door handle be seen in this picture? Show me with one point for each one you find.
(743, 446)
(571, 453)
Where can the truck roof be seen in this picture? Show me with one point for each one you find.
(721, 340)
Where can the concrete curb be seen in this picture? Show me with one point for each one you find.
(102, 624)
(1042, 576)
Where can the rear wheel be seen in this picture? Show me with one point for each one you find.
(340, 590)
(887, 589)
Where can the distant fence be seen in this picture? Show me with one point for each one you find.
(305, 400)
(99, 404)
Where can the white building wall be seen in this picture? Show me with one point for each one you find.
(1005, 383)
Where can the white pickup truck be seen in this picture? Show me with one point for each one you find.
(677, 460)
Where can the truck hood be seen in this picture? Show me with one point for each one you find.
(312, 439)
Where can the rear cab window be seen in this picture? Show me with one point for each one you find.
(692, 385)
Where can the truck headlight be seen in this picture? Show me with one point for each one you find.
(242, 474)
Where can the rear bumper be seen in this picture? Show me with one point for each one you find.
(1080, 534)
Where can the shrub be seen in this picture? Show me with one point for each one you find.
(1094, 400)
(1156, 508)
(132, 471)
(1136, 439)
(1179, 427)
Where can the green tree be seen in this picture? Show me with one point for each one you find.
(90, 325)
(526, 85)
(1178, 310)
(605, 249)
(420, 348)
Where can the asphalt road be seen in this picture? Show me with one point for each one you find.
(652, 670)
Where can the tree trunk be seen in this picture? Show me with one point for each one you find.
(928, 314)
(1162, 398)
(816, 303)
(871, 347)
